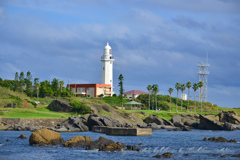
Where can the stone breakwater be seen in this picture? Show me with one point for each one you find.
(27, 123)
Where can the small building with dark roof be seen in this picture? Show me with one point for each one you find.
(133, 94)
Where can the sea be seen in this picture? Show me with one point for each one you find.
(183, 145)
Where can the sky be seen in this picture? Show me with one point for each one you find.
(153, 42)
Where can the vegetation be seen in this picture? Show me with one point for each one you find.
(79, 107)
(121, 90)
(25, 85)
(177, 86)
(170, 90)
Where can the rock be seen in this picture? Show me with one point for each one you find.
(154, 126)
(221, 139)
(8, 140)
(229, 127)
(186, 154)
(100, 120)
(208, 124)
(60, 105)
(186, 128)
(175, 129)
(178, 124)
(113, 147)
(176, 118)
(133, 148)
(22, 137)
(189, 122)
(205, 139)
(140, 144)
(236, 155)
(229, 116)
(143, 125)
(45, 137)
(73, 124)
(78, 141)
(164, 155)
(100, 143)
(158, 120)
(223, 156)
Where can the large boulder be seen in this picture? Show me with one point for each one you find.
(176, 118)
(73, 124)
(229, 116)
(45, 137)
(60, 105)
(100, 120)
(208, 124)
(103, 144)
(158, 120)
(78, 141)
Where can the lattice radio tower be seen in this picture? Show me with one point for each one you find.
(203, 75)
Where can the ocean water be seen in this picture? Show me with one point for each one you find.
(178, 143)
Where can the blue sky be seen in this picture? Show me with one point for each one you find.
(153, 42)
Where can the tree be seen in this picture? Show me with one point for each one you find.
(183, 87)
(28, 82)
(16, 82)
(195, 88)
(55, 87)
(61, 84)
(149, 88)
(155, 91)
(37, 87)
(121, 90)
(170, 90)
(177, 86)
(188, 85)
(200, 85)
(21, 79)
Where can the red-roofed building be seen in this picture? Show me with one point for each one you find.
(133, 94)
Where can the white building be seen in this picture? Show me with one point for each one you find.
(107, 66)
(184, 96)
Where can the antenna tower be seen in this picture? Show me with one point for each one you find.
(203, 74)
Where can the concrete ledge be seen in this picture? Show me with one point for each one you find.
(99, 129)
(118, 131)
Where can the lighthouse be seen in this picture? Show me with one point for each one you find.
(107, 66)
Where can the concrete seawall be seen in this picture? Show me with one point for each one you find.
(31, 122)
(120, 131)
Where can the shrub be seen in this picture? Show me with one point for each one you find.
(114, 95)
(79, 107)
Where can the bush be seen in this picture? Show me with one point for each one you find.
(101, 95)
(80, 107)
(114, 95)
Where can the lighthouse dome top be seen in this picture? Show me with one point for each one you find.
(107, 46)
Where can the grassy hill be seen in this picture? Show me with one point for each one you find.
(105, 106)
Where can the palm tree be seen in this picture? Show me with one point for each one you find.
(37, 86)
(155, 91)
(183, 87)
(170, 90)
(177, 86)
(61, 84)
(149, 88)
(188, 85)
(195, 88)
(200, 85)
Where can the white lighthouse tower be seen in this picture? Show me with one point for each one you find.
(107, 66)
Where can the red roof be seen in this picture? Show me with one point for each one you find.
(135, 92)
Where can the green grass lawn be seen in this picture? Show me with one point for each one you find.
(32, 113)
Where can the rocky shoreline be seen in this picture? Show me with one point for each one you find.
(226, 120)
